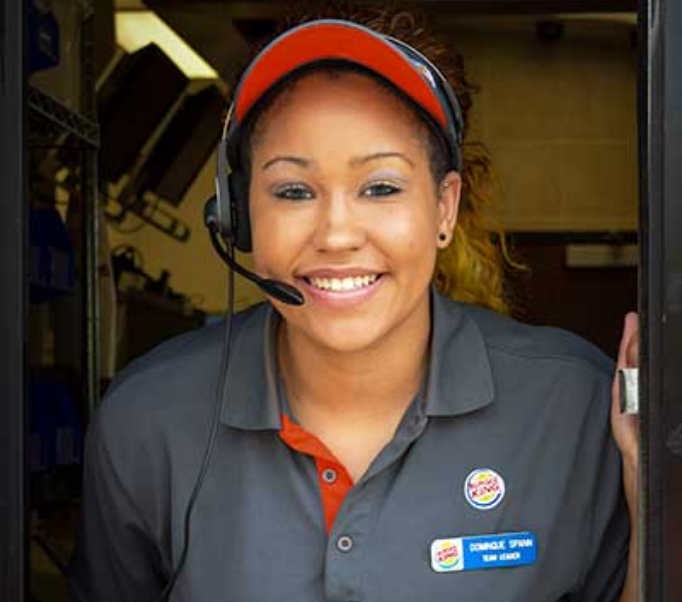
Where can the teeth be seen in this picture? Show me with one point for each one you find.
(349, 283)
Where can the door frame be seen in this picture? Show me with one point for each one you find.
(660, 299)
(13, 224)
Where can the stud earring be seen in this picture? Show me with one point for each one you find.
(442, 236)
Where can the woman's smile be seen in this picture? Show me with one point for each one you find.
(341, 288)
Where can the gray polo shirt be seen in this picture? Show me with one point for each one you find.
(502, 481)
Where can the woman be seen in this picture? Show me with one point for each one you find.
(379, 442)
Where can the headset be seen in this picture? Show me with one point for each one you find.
(227, 212)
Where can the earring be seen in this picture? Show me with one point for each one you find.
(442, 236)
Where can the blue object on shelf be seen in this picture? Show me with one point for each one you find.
(43, 37)
(52, 260)
(55, 427)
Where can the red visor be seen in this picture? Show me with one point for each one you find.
(318, 41)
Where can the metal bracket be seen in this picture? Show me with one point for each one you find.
(152, 213)
(628, 380)
(64, 118)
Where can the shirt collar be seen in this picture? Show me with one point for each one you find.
(459, 378)
(250, 399)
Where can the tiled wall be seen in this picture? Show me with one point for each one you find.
(559, 119)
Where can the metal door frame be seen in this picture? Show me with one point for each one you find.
(660, 147)
(13, 532)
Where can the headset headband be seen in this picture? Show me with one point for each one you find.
(308, 45)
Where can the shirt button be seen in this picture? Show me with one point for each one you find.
(329, 476)
(344, 543)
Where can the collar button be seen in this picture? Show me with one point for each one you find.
(344, 543)
(329, 476)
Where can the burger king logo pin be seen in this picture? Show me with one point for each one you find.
(484, 489)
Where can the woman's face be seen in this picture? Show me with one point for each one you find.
(344, 207)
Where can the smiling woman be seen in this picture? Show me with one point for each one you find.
(379, 441)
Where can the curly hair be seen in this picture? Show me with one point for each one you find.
(472, 268)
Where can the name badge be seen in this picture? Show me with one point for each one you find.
(483, 552)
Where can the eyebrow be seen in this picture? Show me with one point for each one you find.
(382, 155)
(289, 159)
(356, 161)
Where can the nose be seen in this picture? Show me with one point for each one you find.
(339, 226)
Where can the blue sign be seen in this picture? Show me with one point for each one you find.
(483, 552)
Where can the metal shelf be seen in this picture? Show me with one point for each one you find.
(51, 124)
(59, 118)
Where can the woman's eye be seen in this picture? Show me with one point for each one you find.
(293, 192)
(381, 189)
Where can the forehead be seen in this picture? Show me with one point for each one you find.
(322, 94)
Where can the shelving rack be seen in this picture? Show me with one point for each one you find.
(50, 120)
(70, 137)
(59, 119)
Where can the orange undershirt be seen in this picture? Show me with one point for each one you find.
(333, 491)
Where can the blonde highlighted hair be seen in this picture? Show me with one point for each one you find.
(472, 268)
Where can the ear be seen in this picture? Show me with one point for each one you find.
(449, 193)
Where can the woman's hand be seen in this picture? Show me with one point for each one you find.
(625, 426)
(625, 432)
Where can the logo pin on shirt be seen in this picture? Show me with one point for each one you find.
(484, 489)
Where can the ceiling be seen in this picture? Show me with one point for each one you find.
(222, 31)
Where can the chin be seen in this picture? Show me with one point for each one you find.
(347, 338)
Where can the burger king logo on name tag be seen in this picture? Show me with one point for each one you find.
(446, 555)
(484, 489)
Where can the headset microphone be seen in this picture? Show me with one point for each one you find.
(279, 290)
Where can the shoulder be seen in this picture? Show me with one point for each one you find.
(174, 381)
(507, 339)
(531, 366)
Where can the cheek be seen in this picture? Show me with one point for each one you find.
(263, 228)
(276, 241)
(412, 234)
(265, 238)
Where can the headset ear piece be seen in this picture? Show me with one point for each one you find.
(228, 210)
(211, 216)
(240, 219)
